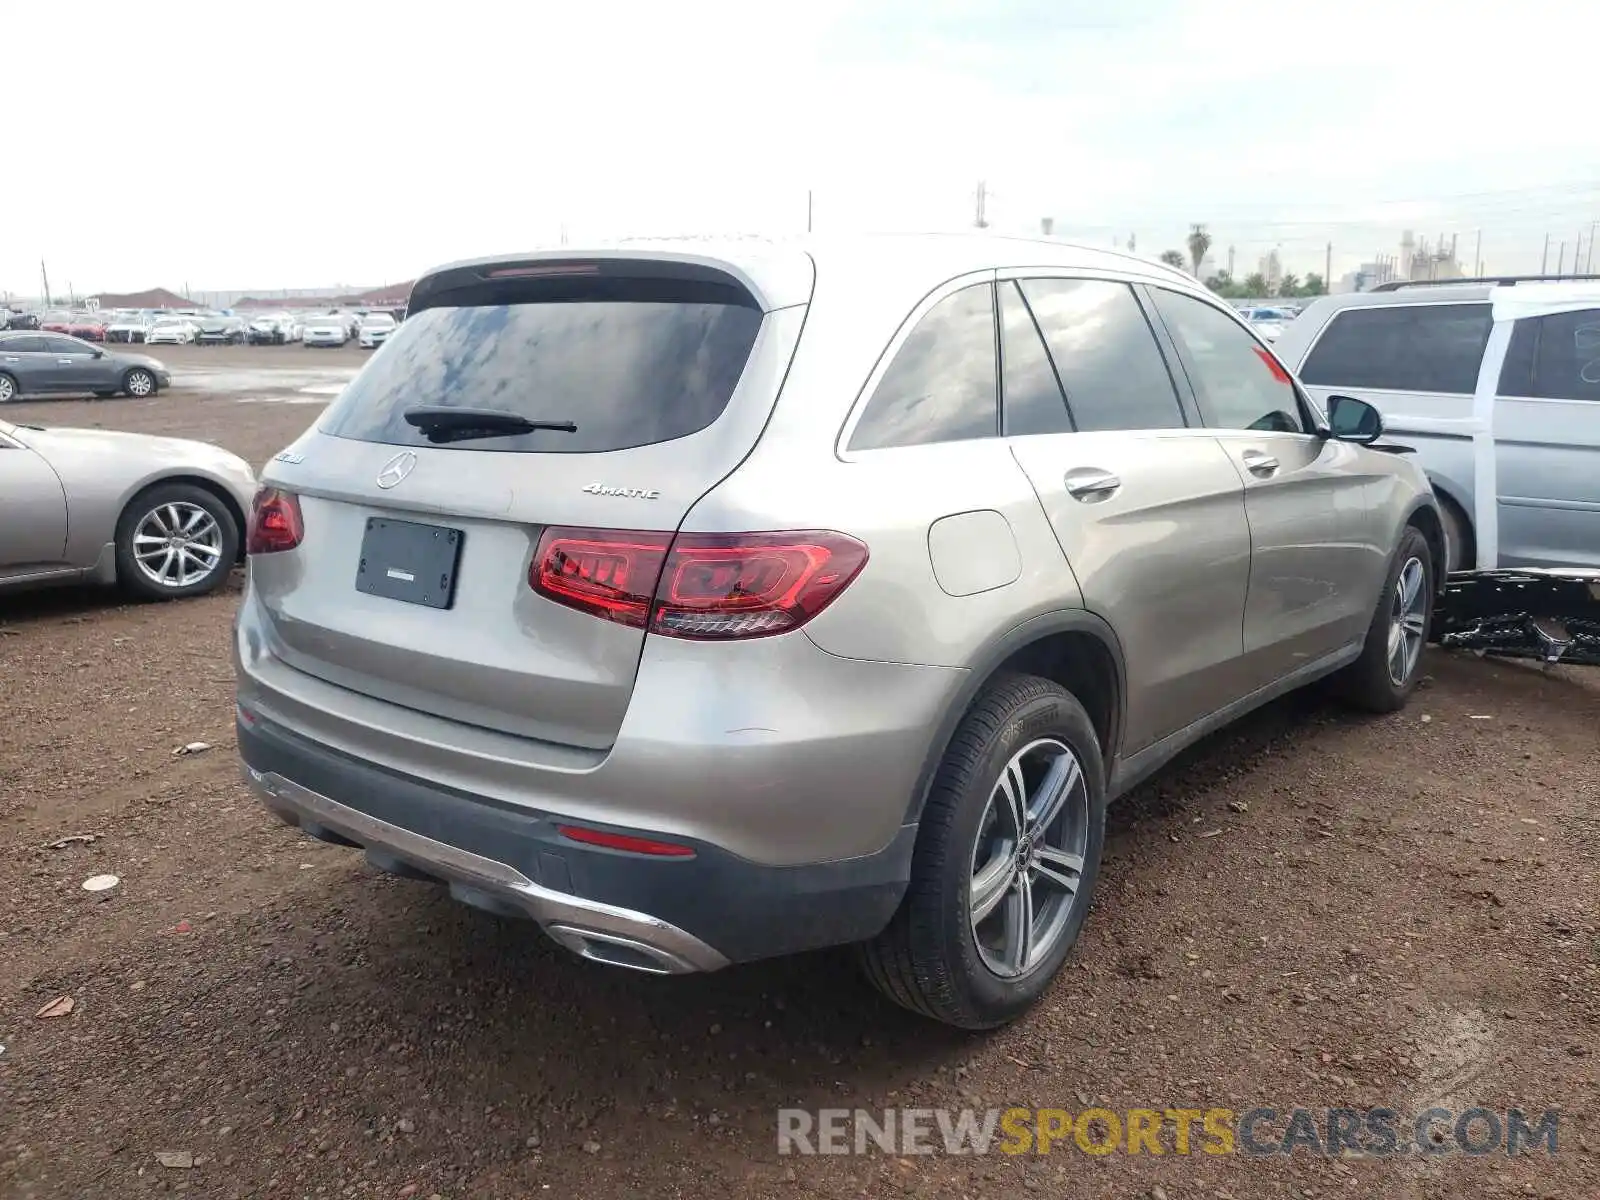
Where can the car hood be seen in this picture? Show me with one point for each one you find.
(83, 444)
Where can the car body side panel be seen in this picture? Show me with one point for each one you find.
(33, 511)
(1314, 548)
(1547, 474)
(102, 470)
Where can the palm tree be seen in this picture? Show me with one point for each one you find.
(1199, 243)
(1173, 259)
(1255, 284)
(1314, 285)
(1289, 285)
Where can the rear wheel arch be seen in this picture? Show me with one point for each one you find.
(1456, 518)
(1073, 648)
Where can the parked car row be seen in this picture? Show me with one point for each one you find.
(188, 327)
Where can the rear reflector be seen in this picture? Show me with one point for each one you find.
(702, 586)
(623, 841)
(275, 522)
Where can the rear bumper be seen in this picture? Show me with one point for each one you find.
(662, 915)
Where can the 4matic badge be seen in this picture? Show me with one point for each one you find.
(605, 489)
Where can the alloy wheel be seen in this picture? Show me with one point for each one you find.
(177, 545)
(1408, 621)
(1028, 860)
(140, 383)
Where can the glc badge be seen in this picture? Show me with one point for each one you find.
(396, 469)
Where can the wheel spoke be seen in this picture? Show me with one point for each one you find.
(1062, 869)
(1014, 790)
(989, 887)
(1414, 623)
(165, 569)
(1019, 925)
(193, 521)
(1053, 791)
(1411, 583)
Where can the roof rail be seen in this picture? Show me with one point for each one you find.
(1394, 285)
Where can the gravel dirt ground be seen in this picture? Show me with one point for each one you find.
(1311, 909)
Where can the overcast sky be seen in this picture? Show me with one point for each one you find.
(273, 144)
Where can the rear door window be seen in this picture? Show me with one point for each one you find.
(1105, 353)
(1555, 357)
(1403, 348)
(940, 387)
(627, 372)
(22, 345)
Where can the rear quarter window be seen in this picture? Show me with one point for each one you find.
(1403, 348)
(627, 372)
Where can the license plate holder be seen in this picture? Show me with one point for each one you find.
(410, 562)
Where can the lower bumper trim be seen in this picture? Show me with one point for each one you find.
(602, 932)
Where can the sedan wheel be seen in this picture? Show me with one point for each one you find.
(139, 383)
(8, 389)
(176, 540)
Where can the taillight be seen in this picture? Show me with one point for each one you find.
(705, 586)
(275, 522)
(608, 573)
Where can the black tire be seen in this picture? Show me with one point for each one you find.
(133, 578)
(139, 383)
(9, 389)
(928, 958)
(1368, 683)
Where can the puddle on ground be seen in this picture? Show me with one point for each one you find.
(330, 381)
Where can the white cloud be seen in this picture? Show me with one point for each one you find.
(270, 145)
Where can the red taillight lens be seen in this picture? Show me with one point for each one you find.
(699, 585)
(627, 842)
(751, 584)
(275, 522)
(606, 572)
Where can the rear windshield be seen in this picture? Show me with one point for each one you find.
(627, 372)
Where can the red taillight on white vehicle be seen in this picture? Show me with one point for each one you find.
(275, 522)
(704, 586)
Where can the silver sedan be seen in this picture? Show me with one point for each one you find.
(162, 517)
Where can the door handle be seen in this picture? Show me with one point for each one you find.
(65, 362)
(1259, 463)
(1090, 483)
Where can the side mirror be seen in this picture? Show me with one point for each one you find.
(98, 353)
(1354, 420)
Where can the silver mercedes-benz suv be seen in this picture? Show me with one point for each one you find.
(707, 601)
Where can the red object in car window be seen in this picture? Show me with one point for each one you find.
(1273, 365)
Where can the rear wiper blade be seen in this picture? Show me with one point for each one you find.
(444, 423)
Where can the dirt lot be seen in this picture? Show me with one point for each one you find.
(1312, 910)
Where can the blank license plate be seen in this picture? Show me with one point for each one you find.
(410, 562)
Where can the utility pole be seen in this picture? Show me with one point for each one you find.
(44, 276)
(1561, 260)
(1544, 259)
(1588, 265)
(1327, 270)
(1230, 262)
(808, 210)
(1477, 257)
(980, 217)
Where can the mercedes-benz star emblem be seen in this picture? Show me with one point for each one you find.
(396, 469)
